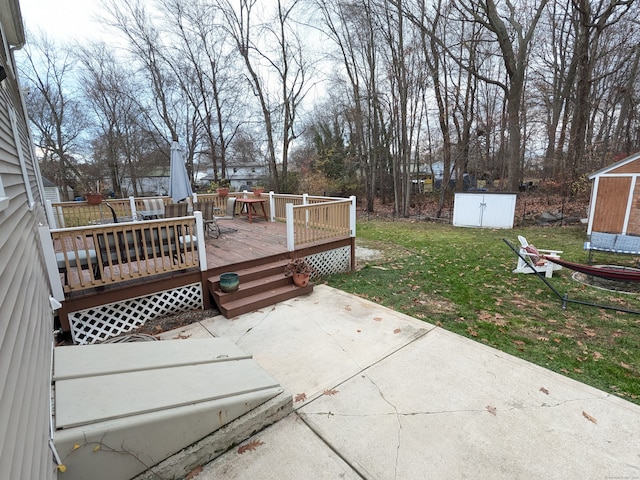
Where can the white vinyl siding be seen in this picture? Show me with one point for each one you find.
(26, 320)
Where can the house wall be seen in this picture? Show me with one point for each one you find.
(26, 318)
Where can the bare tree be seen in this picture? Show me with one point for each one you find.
(53, 109)
(286, 60)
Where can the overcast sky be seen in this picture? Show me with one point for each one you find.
(62, 19)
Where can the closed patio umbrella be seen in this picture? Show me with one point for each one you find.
(179, 184)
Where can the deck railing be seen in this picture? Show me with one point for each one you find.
(95, 256)
(319, 221)
(91, 254)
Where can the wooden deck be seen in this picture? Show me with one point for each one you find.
(251, 241)
(250, 244)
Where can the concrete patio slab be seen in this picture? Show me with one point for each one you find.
(192, 331)
(287, 449)
(391, 397)
(318, 341)
(457, 409)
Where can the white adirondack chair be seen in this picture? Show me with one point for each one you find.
(534, 260)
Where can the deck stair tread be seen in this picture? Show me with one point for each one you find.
(260, 286)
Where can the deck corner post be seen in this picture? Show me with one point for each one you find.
(290, 229)
(132, 205)
(272, 206)
(352, 215)
(202, 251)
(51, 218)
(50, 261)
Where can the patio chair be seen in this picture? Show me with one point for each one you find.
(229, 215)
(534, 259)
(153, 208)
(208, 219)
(174, 210)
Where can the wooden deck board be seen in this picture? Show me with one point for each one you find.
(251, 241)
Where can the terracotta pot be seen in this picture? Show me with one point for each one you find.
(93, 198)
(301, 279)
(222, 191)
(258, 191)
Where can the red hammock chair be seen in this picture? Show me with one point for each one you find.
(624, 274)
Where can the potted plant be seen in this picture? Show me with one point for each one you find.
(257, 191)
(300, 270)
(93, 198)
(221, 187)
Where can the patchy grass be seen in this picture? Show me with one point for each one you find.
(461, 279)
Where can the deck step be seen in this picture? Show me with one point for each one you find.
(260, 286)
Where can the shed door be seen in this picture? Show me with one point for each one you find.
(611, 204)
(484, 210)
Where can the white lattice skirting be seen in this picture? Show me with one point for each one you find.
(105, 321)
(331, 261)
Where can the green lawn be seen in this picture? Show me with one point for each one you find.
(461, 279)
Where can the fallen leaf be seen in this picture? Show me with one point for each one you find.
(252, 445)
(492, 410)
(194, 473)
(589, 417)
(358, 331)
(397, 330)
(96, 448)
(597, 355)
(347, 308)
(377, 319)
(301, 397)
(472, 332)
(330, 392)
(544, 390)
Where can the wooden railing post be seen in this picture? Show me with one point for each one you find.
(352, 215)
(202, 251)
(132, 205)
(290, 227)
(50, 261)
(272, 206)
(51, 218)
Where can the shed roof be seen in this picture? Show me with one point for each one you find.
(625, 162)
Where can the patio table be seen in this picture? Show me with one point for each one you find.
(251, 203)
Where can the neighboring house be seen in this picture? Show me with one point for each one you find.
(240, 175)
(52, 191)
(26, 316)
(615, 198)
(154, 183)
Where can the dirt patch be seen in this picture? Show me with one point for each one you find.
(170, 322)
